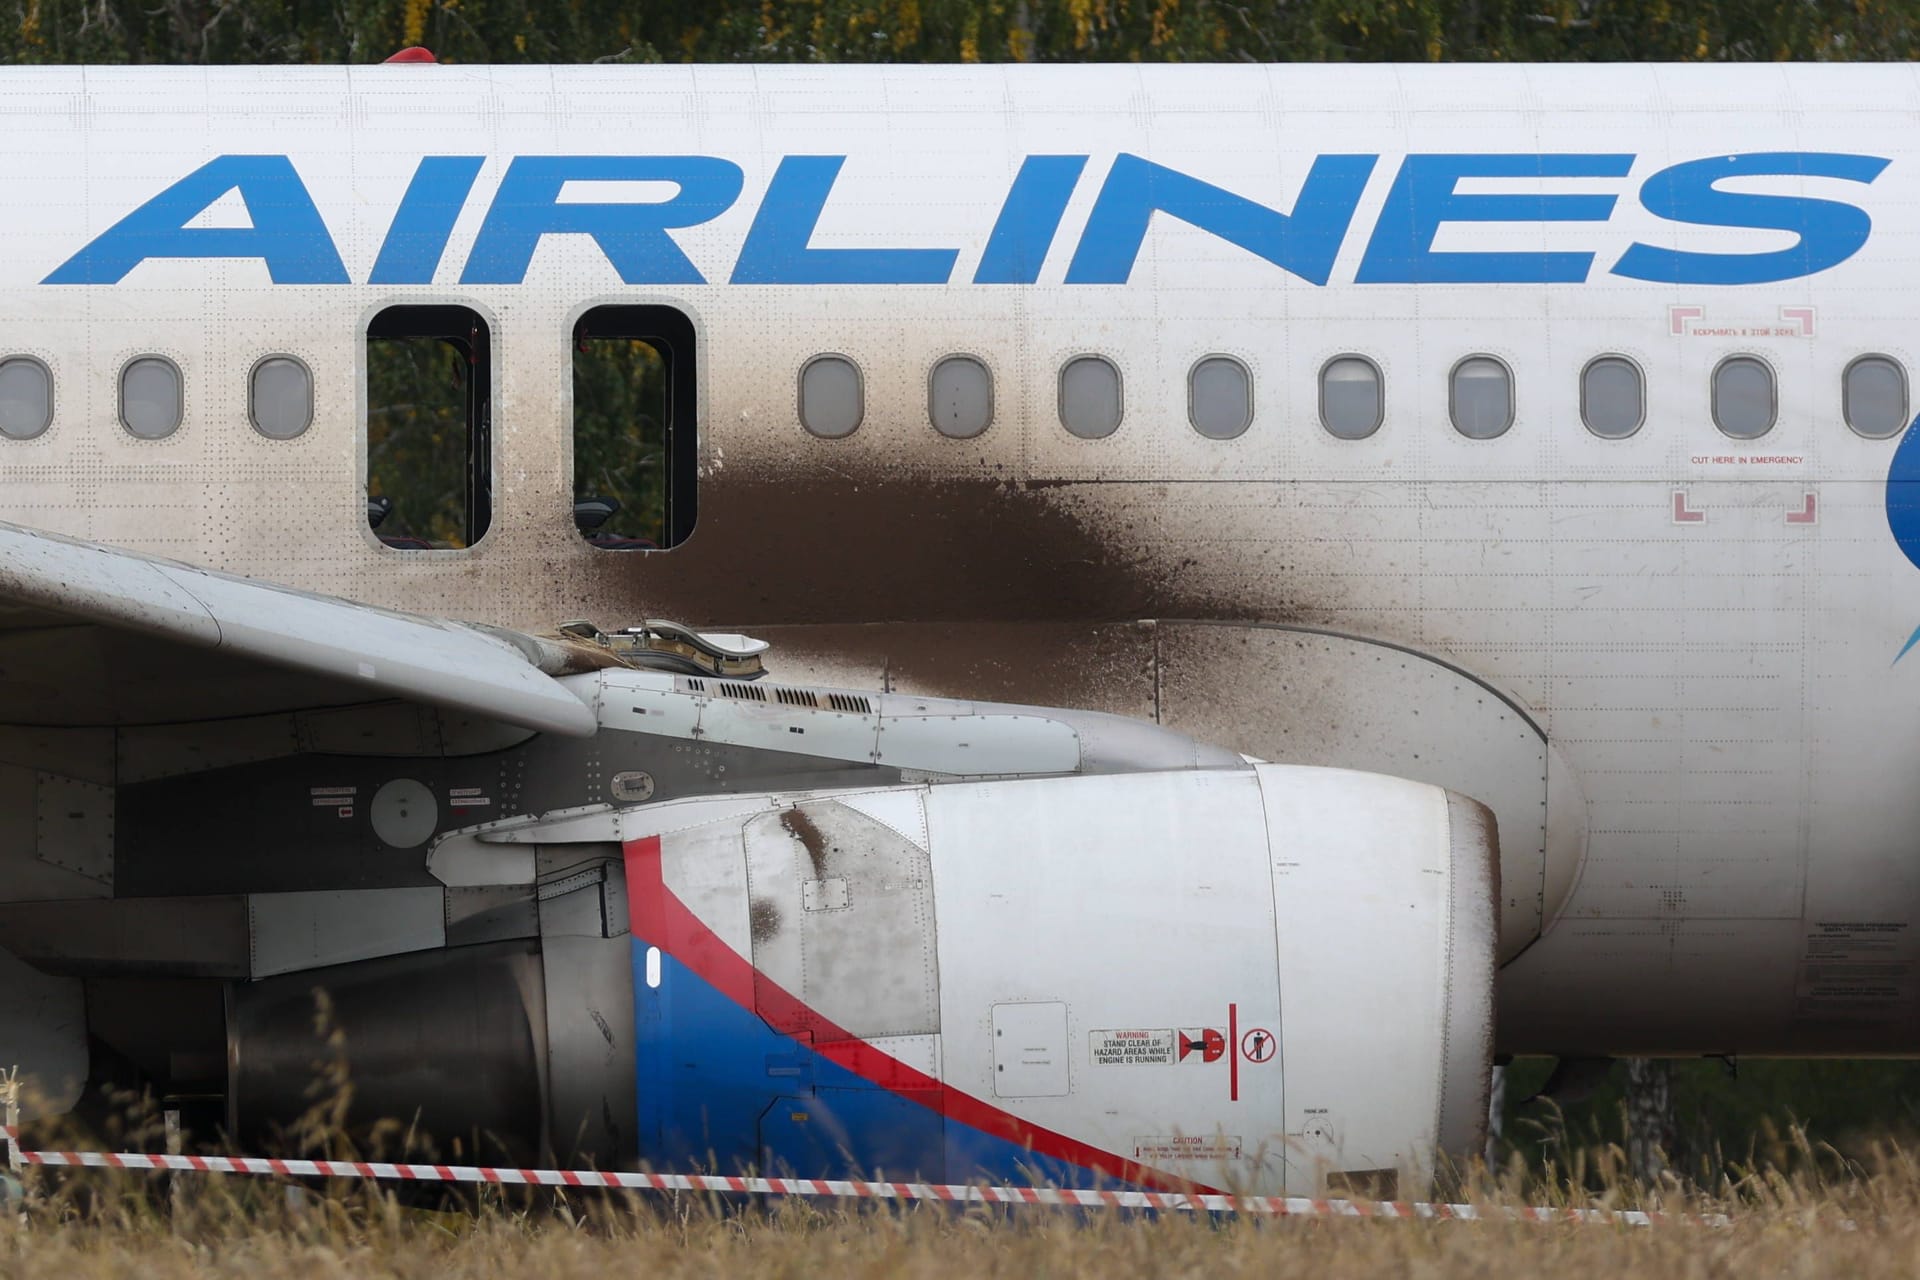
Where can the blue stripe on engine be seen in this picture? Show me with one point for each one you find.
(720, 1091)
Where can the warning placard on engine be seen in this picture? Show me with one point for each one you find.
(1131, 1048)
(1859, 971)
(1166, 1150)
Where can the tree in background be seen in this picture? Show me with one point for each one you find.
(572, 31)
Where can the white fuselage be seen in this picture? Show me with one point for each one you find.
(1705, 627)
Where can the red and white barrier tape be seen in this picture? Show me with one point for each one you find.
(1272, 1206)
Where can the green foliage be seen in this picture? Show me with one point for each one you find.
(1725, 1115)
(563, 31)
(417, 437)
(620, 420)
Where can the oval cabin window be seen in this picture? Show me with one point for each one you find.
(1090, 397)
(1613, 397)
(1480, 398)
(26, 398)
(832, 399)
(280, 399)
(150, 403)
(1352, 406)
(960, 397)
(1220, 398)
(1743, 397)
(1873, 394)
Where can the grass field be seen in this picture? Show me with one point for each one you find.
(937, 1243)
(1797, 1208)
(1848, 1222)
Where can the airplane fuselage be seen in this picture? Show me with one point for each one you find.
(1696, 601)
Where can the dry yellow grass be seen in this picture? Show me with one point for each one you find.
(1797, 1209)
(934, 1243)
(1850, 1222)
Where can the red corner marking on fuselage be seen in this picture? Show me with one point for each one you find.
(658, 916)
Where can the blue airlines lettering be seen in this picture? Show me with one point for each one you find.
(291, 238)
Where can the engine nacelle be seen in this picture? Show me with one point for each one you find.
(1276, 978)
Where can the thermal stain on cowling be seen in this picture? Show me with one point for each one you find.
(802, 828)
(763, 919)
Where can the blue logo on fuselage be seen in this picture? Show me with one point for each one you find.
(290, 236)
(1903, 506)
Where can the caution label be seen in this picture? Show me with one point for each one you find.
(1859, 971)
(1166, 1150)
(1132, 1048)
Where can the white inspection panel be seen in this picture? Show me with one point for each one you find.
(1030, 1050)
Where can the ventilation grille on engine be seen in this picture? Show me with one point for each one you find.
(851, 703)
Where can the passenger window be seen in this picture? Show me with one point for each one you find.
(1090, 405)
(1220, 398)
(150, 402)
(832, 398)
(1352, 405)
(960, 397)
(1743, 397)
(635, 453)
(1480, 398)
(429, 428)
(1873, 395)
(1613, 397)
(280, 398)
(26, 398)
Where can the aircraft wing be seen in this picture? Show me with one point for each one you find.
(92, 636)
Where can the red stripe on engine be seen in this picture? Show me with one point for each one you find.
(1233, 1053)
(656, 914)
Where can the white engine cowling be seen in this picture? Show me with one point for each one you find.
(1276, 978)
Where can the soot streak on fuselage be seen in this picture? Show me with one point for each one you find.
(822, 547)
